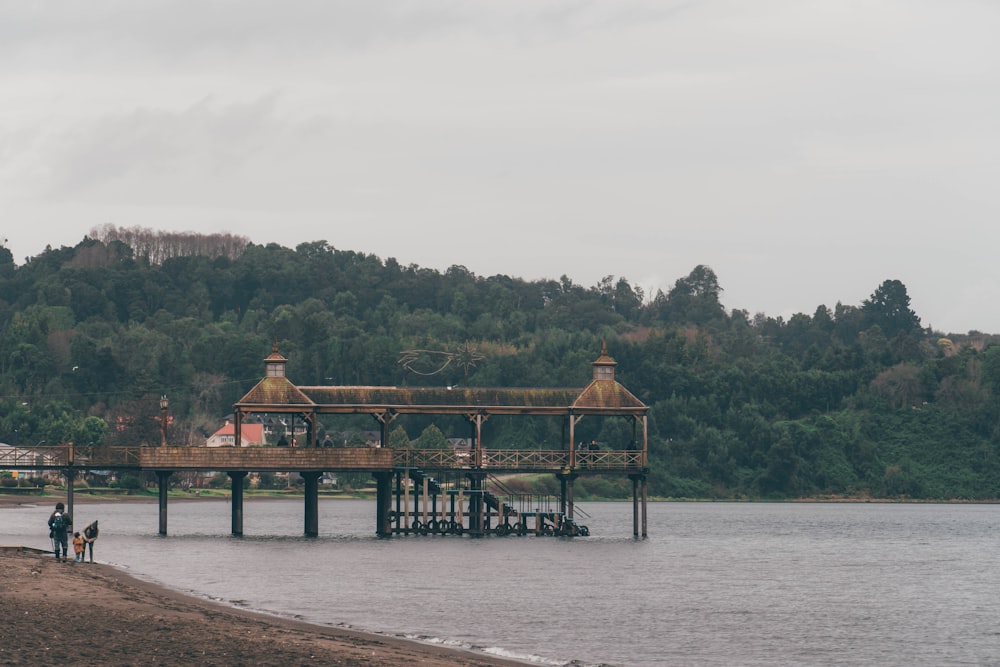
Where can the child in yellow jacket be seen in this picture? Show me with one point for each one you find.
(78, 547)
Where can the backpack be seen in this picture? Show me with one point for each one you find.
(57, 522)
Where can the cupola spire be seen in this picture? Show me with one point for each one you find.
(274, 364)
(604, 365)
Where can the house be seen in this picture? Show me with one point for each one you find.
(251, 435)
(275, 427)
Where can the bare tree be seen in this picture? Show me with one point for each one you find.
(157, 247)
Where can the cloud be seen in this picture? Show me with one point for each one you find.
(804, 151)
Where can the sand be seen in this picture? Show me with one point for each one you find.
(54, 613)
(57, 613)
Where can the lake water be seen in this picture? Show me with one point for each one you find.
(714, 584)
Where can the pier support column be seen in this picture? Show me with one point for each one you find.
(383, 503)
(399, 500)
(644, 498)
(476, 504)
(635, 505)
(162, 482)
(311, 480)
(638, 485)
(237, 477)
(70, 475)
(566, 483)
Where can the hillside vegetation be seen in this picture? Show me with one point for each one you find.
(849, 400)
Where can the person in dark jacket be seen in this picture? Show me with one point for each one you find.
(60, 523)
(89, 537)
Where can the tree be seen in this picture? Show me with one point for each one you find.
(782, 466)
(695, 299)
(991, 368)
(432, 438)
(900, 386)
(7, 266)
(889, 308)
(398, 438)
(91, 432)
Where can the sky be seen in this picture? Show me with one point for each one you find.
(805, 150)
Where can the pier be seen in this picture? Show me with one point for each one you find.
(418, 491)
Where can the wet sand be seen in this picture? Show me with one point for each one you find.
(54, 613)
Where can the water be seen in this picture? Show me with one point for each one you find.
(714, 584)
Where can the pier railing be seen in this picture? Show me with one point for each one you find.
(62, 456)
(610, 459)
(520, 459)
(276, 459)
(517, 459)
(265, 459)
(31, 457)
(430, 459)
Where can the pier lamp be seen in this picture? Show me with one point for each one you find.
(164, 404)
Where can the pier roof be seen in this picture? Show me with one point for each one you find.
(276, 391)
(603, 395)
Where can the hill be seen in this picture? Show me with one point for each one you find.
(850, 400)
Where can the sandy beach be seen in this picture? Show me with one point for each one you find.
(79, 613)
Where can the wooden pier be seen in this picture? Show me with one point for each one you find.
(419, 492)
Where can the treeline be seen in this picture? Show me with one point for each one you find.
(853, 400)
(156, 247)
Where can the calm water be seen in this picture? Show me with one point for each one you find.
(714, 584)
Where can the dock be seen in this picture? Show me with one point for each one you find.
(418, 491)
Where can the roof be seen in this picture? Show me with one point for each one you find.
(607, 395)
(601, 396)
(276, 391)
(441, 399)
(248, 432)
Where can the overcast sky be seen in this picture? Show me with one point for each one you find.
(805, 150)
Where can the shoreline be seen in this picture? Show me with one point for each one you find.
(19, 500)
(72, 613)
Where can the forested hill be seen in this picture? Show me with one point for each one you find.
(853, 400)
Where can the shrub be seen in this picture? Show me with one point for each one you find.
(130, 481)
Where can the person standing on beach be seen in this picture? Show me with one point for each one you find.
(59, 524)
(78, 547)
(89, 537)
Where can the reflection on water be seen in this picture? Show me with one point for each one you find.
(715, 583)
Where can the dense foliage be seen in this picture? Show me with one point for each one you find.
(853, 401)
